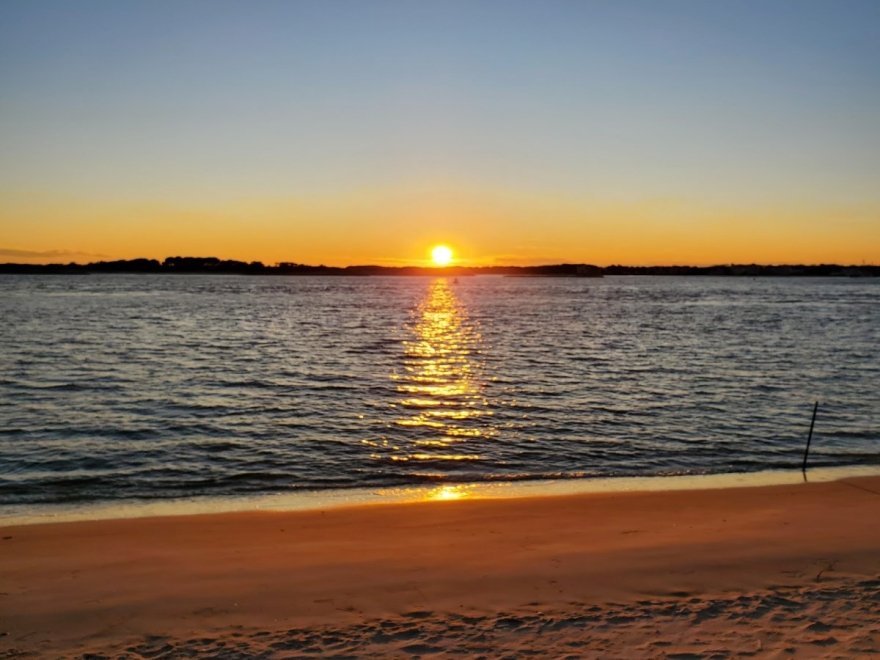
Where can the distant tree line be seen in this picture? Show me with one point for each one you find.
(213, 265)
(750, 270)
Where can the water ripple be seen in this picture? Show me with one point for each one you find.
(115, 386)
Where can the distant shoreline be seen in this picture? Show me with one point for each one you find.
(213, 265)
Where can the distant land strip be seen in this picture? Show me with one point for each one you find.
(233, 267)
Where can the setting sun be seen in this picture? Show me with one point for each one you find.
(441, 255)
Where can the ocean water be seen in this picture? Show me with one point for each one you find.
(122, 388)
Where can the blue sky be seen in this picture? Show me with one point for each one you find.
(719, 105)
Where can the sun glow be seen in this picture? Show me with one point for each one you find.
(441, 255)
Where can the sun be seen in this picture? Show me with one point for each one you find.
(441, 255)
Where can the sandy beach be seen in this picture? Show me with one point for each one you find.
(768, 571)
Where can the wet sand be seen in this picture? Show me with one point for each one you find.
(766, 571)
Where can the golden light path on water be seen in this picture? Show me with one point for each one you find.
(442, 403)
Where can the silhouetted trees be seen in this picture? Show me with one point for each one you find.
(233, 267)
(750, 270)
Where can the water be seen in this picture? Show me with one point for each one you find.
(116, 387)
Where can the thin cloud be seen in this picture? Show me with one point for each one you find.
(525, 260)
(46, 254)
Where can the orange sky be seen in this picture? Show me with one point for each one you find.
(517, 132)
(399, 228)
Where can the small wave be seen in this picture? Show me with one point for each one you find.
(84, 386)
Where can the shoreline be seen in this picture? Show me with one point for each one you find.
(307, 500)
(215, 266)
(635, 574)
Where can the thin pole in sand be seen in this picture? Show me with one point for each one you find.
(809, 439)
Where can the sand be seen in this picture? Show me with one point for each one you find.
(761, 572)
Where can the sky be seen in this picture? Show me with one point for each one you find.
(365, 131)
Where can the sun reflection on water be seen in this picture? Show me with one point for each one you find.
(442, 404)
(447, 493)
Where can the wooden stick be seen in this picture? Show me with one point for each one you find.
(809, 439)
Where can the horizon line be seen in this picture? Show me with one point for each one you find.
(276, 264)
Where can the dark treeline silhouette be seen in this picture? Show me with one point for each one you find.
(233, 267)
(750, 270)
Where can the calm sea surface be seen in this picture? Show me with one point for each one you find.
(129, 387)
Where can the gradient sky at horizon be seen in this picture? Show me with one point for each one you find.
(348, 131)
